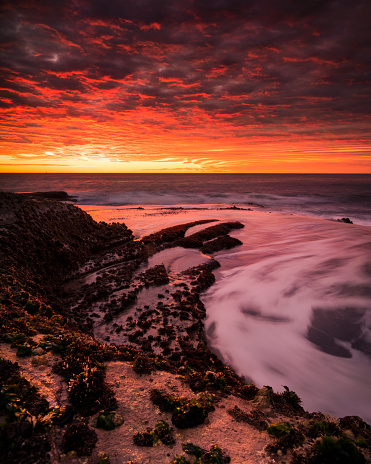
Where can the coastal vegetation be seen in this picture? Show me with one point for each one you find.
(78, 305)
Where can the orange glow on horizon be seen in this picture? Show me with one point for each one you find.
(185, 87)
(146, 141)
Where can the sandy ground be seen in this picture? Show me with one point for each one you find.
(38, 371)
(242, 442)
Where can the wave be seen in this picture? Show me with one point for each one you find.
(295, 311)
(322, 206)
(325, 196)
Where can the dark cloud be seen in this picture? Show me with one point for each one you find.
(250, 61)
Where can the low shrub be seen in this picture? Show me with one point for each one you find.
(108, 420)
(165, 433)
(279, 430)
(323, 428)
(215, 455)
(80, 438)
(88, 392)
(287, 437)
(193, 412)
(147, 438)
(336, 451)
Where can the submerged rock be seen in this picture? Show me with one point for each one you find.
(346, 220)
(221, 243)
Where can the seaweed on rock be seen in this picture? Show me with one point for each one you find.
(147, 438)
(162, 432)
(165, 433)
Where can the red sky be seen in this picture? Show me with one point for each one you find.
(185, 86)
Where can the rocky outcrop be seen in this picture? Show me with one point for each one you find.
(166, 238)
(44, 241)
(53, 195)
(208, 240)
(345, 220)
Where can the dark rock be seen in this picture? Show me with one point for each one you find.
(221, 243)
(58, 238)
(166, 237)
(346, 220)
(157, 276)
(53, 195)
(217, 232)
(255, 418)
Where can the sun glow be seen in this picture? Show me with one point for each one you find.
(85, 93)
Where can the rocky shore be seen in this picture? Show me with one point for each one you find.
(105, 360)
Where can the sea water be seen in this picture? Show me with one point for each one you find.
(320, 195)
(291, 306)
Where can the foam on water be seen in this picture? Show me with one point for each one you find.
(295, 310)
(291, 306)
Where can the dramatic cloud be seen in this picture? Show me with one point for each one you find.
(228, 85)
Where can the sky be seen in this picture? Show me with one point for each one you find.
(185, 86)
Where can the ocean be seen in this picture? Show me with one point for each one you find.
(292, 305)
(320, 195)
